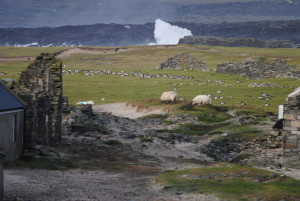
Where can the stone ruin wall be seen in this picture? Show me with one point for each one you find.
(260, 69)
(40, 87)
(291, 133)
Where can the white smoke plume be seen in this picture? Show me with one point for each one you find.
(167, 34)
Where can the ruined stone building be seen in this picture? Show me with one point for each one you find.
(40, 87)
(291, 131)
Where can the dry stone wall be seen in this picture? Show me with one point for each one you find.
(260, 69)
(291, 132)
(40, 87)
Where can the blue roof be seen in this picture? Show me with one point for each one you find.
(9, 101)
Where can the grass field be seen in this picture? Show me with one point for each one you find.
(232, 182)
(114, 88)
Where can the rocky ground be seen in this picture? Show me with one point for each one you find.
(105, 157)
(133, 160)
(260, 69)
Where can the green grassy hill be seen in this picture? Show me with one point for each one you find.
(117, 88)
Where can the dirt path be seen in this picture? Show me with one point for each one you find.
(137, 143)
(84, 50)
(173, 152)
(128, 110)
(78, 185)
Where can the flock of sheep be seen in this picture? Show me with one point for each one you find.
(170, 97)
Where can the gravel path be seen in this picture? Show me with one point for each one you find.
(176, 151)
(129, 185)
(79, 185)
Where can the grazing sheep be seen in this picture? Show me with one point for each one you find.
(201, 100)
(295, 93)
(169, 96)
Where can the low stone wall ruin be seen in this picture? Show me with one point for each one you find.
(260, 69)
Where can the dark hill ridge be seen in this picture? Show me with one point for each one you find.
(54, 13)
(122, 35)
(266, 30)
(87, 35)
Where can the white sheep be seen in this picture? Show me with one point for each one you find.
(295, 93)
(169, 96)
(201, 100)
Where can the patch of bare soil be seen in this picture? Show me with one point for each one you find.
(128, 110)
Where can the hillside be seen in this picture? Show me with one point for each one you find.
(122, 74)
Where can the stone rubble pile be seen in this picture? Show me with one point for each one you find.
(260, 69)
(82, 120)
(183, 61)
(229, 148)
